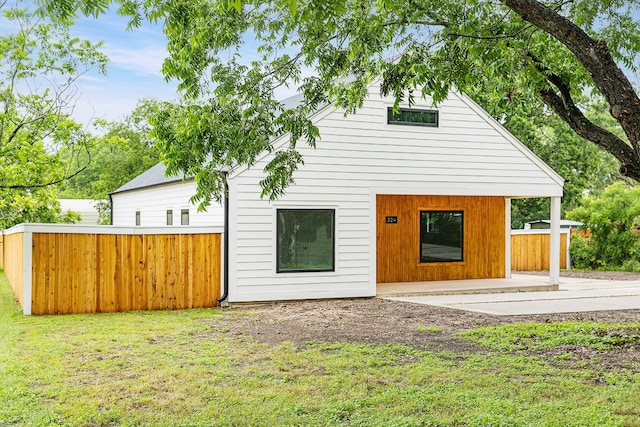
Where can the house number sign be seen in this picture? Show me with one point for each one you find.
(392, 220)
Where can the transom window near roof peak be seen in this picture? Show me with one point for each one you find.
(412, 117)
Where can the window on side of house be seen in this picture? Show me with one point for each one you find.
(184, 217)
(169, 216)
(412, 116)
(305, 240)
(441, 236)
(137, 217)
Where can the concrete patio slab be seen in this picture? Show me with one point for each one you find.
(517, 283)
(574, 295)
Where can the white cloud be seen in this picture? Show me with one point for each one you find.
(145, 60)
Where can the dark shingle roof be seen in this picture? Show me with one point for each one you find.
(152, 176)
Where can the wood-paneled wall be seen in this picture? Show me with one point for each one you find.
(530, 252)
(13, 263)
(87, 273)
(398, 245)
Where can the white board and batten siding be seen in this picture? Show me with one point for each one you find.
(153, 203)
(357, 157)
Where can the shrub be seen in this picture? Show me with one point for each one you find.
(613, 219)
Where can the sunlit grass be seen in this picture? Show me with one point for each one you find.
(534, 336)
(185, 369)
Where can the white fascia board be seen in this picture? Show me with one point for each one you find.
(539, 231)
(109, 229)
(519, 191)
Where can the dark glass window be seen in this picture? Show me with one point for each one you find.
(410, 116)
(305, 240)
(441, 236)
(137, 217)
(169, 217)
(184, 217)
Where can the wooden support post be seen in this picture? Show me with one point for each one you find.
(507, 237)
(554, 252)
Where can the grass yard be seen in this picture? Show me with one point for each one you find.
(189, 368)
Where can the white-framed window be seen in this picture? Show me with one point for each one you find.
(169, 216)
(184, 217)
(305, 240)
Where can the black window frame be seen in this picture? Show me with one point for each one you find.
(333, 243)
(169, 216)
(391, 112)
(138, 218)
(422, 232)
(183, 216)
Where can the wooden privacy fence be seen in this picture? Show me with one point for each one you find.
(530, 249)
(59, 269)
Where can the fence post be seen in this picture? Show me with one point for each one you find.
(27, 276)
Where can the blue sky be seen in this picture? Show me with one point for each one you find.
(133, 71)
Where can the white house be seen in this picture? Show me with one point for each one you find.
(86, 208)
(545, 224)
(152, 200)
(419, 195)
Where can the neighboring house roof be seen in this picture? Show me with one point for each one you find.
(156, 175)
(564, 223)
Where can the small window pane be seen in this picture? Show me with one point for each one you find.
(169, 217)
(409, 116)
(184, 217)
(305, 240)
(137, 217)
(441, 236)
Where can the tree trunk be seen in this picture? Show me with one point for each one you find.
(607, 77)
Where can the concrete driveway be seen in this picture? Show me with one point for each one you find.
(574, 295)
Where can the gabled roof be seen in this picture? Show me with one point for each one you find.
(156, 175)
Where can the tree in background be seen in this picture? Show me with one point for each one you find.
(125, 151)
(613, 221)
(586, 168)
(517, 52)
(39, 63)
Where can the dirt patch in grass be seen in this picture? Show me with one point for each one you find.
(378, 321)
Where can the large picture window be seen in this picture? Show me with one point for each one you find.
(305, 240)
(441, 236)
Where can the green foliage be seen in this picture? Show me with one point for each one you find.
(613, 218)
(230, 57)
(125, 151)
(586, 168)
(39, 63)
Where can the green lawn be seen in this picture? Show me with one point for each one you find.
(180, 368)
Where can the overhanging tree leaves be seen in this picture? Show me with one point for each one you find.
(125, 151)
(231, 56)
(39, 64)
